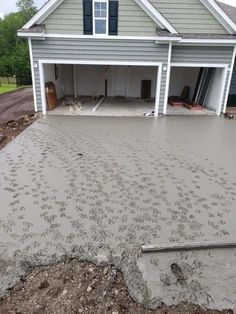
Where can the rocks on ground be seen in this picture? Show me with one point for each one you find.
(12, 128)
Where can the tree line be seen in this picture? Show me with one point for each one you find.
(14, 51)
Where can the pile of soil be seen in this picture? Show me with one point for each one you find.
(79, 287)
(9, 130)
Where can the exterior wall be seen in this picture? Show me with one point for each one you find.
(99, 50)
(189, 16)
(122, 80)
(135, 77)
(204, 55)
(180, 77)
(68, 19)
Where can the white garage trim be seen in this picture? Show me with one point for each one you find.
(98, 62)
(158, 88)
(167, 79)
(198, 65)
(230, 79)
(210, 65)
(33, 76)
(75, 80)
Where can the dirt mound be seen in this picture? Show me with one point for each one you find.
(12, 128)
(76, 287)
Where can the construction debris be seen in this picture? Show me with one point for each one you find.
(12, 128)
(230, 116)
(74, 104)
(149, 114)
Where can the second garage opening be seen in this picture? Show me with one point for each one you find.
(196, 90)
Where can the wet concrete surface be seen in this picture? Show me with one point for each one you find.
(98, 187)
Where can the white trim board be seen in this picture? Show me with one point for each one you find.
(158, 90)
(224, 78)
(167, 79)
(230, 79)
(156, 16)
(206, 41)
(220, 15)
(197, 65)
(99, 62)
(32, 74)
(158, 39)
(43, 13)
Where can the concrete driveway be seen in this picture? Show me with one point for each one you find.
(96, 187)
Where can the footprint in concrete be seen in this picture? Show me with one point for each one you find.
(177, 271)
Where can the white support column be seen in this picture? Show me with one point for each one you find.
(167, 79)
(42, 88)
(230, 78)
(158, 90)
(223, 83)
(127, 80)
(32, 74)
(75, 80)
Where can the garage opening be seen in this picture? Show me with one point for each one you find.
(107, 90)
(195, 91)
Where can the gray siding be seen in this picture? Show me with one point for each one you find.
(189, 16)
(203, 55)
(68, 19)
(68, 49)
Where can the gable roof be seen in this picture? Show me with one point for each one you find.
(151, 11)
(220, 15)
(156, 15)
(229, 10)
(223, 13)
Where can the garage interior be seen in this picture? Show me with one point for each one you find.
(195, 91)
(110, 90)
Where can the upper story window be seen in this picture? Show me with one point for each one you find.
(100, 16)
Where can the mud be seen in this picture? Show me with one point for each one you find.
(15, 104)
(99, 188)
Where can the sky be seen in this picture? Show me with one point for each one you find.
(7, 6)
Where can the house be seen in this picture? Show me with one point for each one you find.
(148, 49)
(231, 11)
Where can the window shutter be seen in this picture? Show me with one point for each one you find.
(113, 17)
(88, 17)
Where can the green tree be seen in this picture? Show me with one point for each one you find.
(14, 53)
(26, 8)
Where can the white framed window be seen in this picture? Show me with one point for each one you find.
(100, 17)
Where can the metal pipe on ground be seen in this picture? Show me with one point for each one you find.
(188, 246)
(99, 103)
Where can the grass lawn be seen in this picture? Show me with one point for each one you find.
(7, 88)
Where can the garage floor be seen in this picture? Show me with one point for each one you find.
(97, 187)
(173, 111)
(111, 106)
